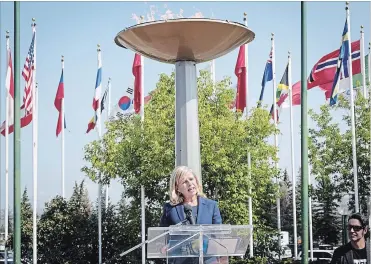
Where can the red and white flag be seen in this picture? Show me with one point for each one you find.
(27, 73)
(9, 84)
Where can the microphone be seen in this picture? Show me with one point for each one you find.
(188, 213)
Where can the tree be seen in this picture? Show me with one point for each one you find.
(54, 243)
(329, 157)
(286, 204)
(146, 156)
(26, 229)
(79, 212)
(362, 128)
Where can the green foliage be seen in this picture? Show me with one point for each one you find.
(143, 154)
(53, 232)
(26, 228)
(330, 154)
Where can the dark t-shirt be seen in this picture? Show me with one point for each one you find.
(359, 255)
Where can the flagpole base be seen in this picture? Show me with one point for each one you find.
(187, 134)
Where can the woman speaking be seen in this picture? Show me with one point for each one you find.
(188, 205)
(185, 190)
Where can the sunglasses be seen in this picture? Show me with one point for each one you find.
(355, 228)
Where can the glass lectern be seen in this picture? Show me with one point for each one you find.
(198, 244)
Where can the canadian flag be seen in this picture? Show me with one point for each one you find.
(9, 84)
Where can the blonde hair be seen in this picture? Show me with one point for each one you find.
(180, 171)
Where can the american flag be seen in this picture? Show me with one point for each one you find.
(28, 74)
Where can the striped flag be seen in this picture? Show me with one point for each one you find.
(27, 73)
(102, 107)
(282, 92)
(342, 65)
(58, 104)
(96, 100)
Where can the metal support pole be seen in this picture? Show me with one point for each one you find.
(187, 135)
(304, 135)
(17, 138)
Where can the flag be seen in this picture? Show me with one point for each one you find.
(92, 123)
(138, 89)
(28, 74)
(240, 72)
(357, 78)
(9, 84)
(296, 96)
(282, 90)
(367, 72)
(102, 105)
(267, 76)
(323, 72)
(367, 69)
(96, 99)
(342, 65)
(58, 104)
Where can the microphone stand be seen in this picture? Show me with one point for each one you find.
(148, 241)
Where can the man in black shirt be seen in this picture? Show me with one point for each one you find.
(357, 251)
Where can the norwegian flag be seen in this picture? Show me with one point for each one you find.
(28, 76)
(324, 70)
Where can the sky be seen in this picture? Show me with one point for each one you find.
(74, 29)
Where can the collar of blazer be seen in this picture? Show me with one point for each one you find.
(180, 209)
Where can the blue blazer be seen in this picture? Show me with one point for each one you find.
(208, 213)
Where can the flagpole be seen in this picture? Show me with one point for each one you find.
(100, 184)
(7, 154)
(276, 138)
(304, 136)
(35, 161)
(17, 138)
(251, 242)
(310, 218)
(369, 92)
(62, 133)
(292, 161)
(142, 187)
(363, 68)
(108, 115)
(355, 172)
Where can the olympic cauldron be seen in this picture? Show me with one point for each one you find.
(185, 42)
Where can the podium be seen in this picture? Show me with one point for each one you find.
(198, 244)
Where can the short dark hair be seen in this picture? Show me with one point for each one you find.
(360, 218)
